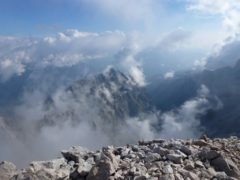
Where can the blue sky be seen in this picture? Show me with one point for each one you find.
(32, 17)
(44, 17)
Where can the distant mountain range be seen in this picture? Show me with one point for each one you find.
(224, 86)
(111, 97)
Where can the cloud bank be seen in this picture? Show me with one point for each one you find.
(132, 12)
(229, 11)
(184, 122)
(76, 121)
(131, 52)
(225, 52)
(64, 50)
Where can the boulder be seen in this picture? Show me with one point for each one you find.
(178, 176)
(167, 177)
(140, 178)
(105, 168)
(189, 165)
(237, 146)
(200, 142)
(151, 157)
(140, 169)
(226, 165)
(221, 175)
(199, 164)
(188, 150)
(57, 168)
(7, 170)
(192, 176)
(208, 154)
(167, 169)
(83, 168)
(47, 170)
(161, 151)
(176, 158)
(75, 153)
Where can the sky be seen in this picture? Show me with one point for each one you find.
(155, 33)
(38, 18)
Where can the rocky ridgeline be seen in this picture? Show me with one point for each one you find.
(158, 159)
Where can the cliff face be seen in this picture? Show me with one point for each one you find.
(158, 159)
(111, 96)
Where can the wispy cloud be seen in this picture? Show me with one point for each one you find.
(174, 40)
(224, 53)
(134, 11)
(64, 50)
(69, 48)
(184, 121)
(229, 10)
(169, 75)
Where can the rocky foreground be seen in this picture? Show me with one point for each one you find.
(158, 159)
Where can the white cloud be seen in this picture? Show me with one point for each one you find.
(200, 63)
(169, 75)
(130, 11)
(229, 10)
(134, 69)
(226, 55)
(13, 65)
(72, 47)
(66, 49)
(177, 39)
(224, 52)
(184, 122)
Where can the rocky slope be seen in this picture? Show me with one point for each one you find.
(191, 159)
(112, 96)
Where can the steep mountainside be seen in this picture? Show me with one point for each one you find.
(112, 96)
(224, 86)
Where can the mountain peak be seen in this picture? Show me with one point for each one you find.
(112, 74)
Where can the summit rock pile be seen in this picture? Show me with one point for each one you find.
(193, 159)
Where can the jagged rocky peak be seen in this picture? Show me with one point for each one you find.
(114, 75)
(109, 77)
(192, 159)
(110, 80)
(115, 97)
(112, 86)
